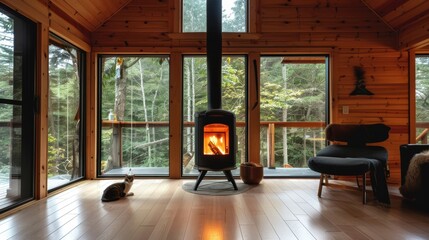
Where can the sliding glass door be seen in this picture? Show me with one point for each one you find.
(65, 124)
(17, 77)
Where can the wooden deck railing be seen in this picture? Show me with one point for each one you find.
(422, 138)
(271, 125)
(107, 123)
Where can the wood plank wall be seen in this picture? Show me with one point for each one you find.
(386, 76)
(346, 30)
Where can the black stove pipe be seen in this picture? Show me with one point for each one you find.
(214, 54)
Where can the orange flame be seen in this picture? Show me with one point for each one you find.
(215, 139)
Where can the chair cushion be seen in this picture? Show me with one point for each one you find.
(339, 165)
(338, 151)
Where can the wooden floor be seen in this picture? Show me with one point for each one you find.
(160, 209)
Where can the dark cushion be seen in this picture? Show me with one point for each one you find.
(339, 166)
(357, 134)
(407, 153)
(374, 152)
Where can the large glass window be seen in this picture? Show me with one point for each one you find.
(422, 98)
(17, 76)
(293, 112)
(234, 16)
(134, 115)
(65, 124)
(195, 100)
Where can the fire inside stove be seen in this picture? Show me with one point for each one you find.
(216, 139)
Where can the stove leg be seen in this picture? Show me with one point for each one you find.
(199, 179)
(230, 178)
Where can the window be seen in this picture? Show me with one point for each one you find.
(234, 17)
(66, 106)
(134, 115)
(195, 100)
(422, 96)
(293, 111)
(17, 77)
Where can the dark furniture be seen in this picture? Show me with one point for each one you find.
(349, 155)
(407, 152)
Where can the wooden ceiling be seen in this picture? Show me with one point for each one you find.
(91, 14)
(397, 15)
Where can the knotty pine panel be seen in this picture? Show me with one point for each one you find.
(90, 22)
(69, 31)
(140, 16)
(35, 10)
(415, 35)
(109, 37)
(386, 75)
(309, 16)
(89, 14)
(410, 10)
(312, 25)
(311, 3)
(279, 24)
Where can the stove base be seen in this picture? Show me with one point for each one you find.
(227, 173)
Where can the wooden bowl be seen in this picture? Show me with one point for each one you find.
(251, 173)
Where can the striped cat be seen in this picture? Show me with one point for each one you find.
(119, 190)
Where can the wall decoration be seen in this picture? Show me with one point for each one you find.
(360, 88)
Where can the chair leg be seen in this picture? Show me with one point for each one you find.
(357, 181)
(364, 189)
(319, 193)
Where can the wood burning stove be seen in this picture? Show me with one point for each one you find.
(215, 146)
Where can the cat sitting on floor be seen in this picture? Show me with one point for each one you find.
(119, 190)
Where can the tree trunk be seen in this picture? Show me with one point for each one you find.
(148, 139)
(153, 107)
(114, 160)
(285, 142)
(189, 108)
(76, 169)
(193, 102)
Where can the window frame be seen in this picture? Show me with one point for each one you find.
(101, 114)
(247, 13)
(27, 31)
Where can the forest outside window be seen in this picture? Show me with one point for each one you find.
(422, 96)
(17, 117)
(133, 115)
(293, 112)
(65, 124)
(234, 16)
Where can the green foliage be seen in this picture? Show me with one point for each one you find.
(7, 84)
(234, 17)
(64, 100)
(146, 100)
(422, 89)
(58, 163)
(292, 93)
